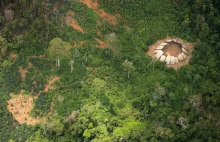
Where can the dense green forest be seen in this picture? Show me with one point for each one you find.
(82, 92)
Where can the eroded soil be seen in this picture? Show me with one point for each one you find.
(93, 4)
(21, 105)
(101, 44)
(72, 22)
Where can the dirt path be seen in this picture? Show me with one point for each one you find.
(101, 44)
(24, 71)
(188, 46)
(49, 85)
(93, 4)
(72, 22)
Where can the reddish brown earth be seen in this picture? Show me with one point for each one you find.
(93, 4)
(13, 55)
(49, 85)
(24, 71)
(79, 44)
(72, 22)
(102, 44)
(21, 105)
(99, 33)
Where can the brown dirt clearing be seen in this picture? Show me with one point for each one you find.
(172, 49)
(93, 4)
(188, 46)
(21, 105)
(72, 22)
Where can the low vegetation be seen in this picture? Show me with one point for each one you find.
(83, 68)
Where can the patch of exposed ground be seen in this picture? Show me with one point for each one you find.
(40, 56)
(24, 71)
(93, 4)
(72, 22)
(21, 105)
(52, 105)
(49, 85)
(79, 44)
(13, 55)
(188, 46)
(99, 33)
(101, 44)
(172, 49)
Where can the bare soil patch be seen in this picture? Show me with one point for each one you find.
(93, 4)
(72, 22)
(172, 49)
(79, 44)
(188, 46)
(13, 55)
(102, 44)
(24, 71)
(99, 33)
(21, 105)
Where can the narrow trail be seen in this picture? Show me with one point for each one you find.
(24, 71)
(102, 44)
(72, 22)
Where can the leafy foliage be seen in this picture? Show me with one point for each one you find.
(117, 93)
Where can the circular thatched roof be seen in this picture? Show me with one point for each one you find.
(171, 51)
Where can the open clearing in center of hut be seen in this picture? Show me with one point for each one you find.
(172, 49)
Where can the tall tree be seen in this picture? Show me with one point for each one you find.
(128, 67)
